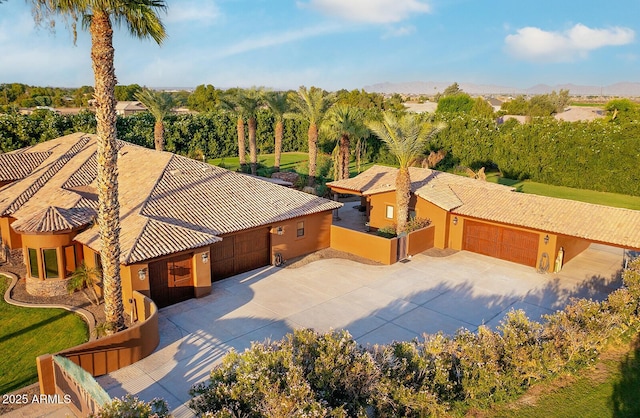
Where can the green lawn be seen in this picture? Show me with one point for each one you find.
(27, 333)
(611, 389)
(288, 160)
(582, 195)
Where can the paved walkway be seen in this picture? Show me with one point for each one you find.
(377, 304)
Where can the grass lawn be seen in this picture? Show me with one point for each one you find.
(610, 389)
(27, 333)
(589, 196)
(288, 160)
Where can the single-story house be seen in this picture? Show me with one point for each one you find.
(494, 219)
(127, 108)
(184, 223)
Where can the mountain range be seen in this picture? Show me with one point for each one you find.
(623, 89)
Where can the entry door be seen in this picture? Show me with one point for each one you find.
(171, 280)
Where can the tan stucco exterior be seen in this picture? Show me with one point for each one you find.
(317, 235)
(10, 239)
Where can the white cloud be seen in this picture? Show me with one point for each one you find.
(192, 11)
(268, 40)
(370, 11)
(535, 44)
(399, 31)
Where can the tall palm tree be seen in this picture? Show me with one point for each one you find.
(249, 102)
(311, 105)
(142, 20)
(229, 104)
(346, 123)
(160, 105)
(405, 137)
(277, 102)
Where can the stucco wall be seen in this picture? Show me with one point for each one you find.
(572, 246)
(10, 238)
(382, 250)
(317, 235)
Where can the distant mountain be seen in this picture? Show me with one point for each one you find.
(624, 89)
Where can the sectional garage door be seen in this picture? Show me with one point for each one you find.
(500, 242)
(241, 252)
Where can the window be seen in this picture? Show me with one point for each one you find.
(69, 260)
(412, 214)
(389, 212)
(300, 229)
(97, 260)
(34, 271)
(50, 258)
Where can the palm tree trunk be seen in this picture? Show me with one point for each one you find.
(158, 134)
(278, 144)
(241, 155)
(253, 152)
(403, 194)
(107, 176)
(344, 158)
(313, 153)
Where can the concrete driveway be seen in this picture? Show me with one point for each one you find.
(377, 304)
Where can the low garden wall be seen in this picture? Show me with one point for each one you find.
(420, 240)
(382, 250)
(109, 353)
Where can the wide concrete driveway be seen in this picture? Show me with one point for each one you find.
(377, 304)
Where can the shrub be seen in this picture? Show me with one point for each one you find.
(132, 407)
(417, 223)
(387, 231)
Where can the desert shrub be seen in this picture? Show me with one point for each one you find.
(387, 231)
(131, 407)
(417, 223)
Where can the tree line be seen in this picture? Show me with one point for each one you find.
(599, 155)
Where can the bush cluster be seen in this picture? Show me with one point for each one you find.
(311, 374)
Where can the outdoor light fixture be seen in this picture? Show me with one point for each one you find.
(280, 230)
(455, 220)
(142, 274)
(205, 257)
(546, 239)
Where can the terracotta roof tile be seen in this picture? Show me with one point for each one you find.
(54, 219)
(605, 224)
(17, 165)
(168, 203)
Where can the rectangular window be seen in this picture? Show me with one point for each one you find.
(97, 261)
(50, 258)
(412, 214)
(300, 229)
(69, 260)
(34, 271)
(389, 212)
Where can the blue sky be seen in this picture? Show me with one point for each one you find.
(349, 44)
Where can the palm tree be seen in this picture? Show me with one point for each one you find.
(344, 122)
(228, 103)
(249, 102)
(311, 105)
(85, 278)
(277, 102)
(141, 19)
(405, 137)
(160, 105)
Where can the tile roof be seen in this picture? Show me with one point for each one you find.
(606, 224)
(493, 202)
(431, 185)
(54, 219)
(168, 203)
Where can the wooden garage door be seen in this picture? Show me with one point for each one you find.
(500, 242)
(171, 280)
(241, 252)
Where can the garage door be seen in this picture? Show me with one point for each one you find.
(241, 252)
(500, 242)
(171, 280)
